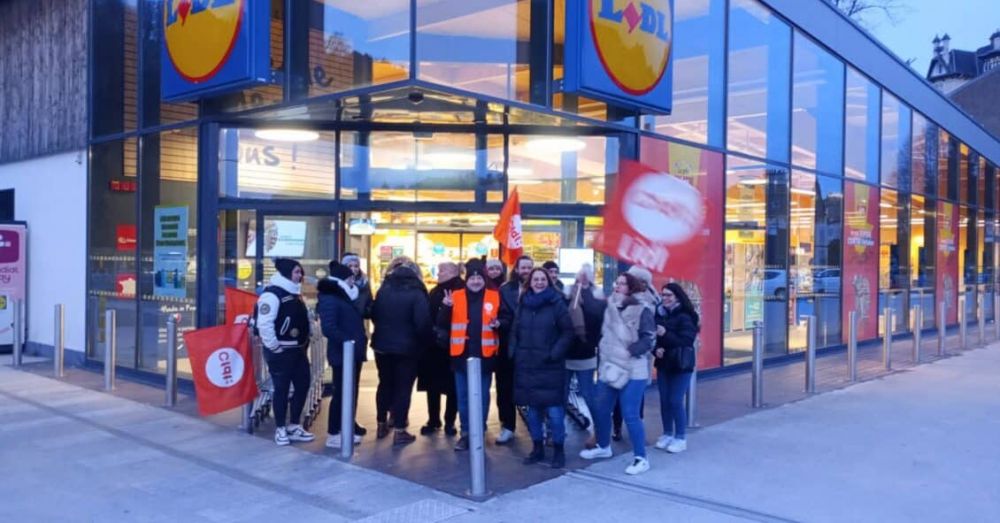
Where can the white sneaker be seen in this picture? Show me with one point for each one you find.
(297, 433)
(506, 435)
(333, 441)
(664, 442)
(596, 452)
(677, 445)
(638, 466)
(281, 437)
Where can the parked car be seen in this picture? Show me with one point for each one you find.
(826, 281)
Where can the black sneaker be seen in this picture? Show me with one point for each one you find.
(462, 444)
(450, 430)
(401, 437)
(359, 430)
(382, 430)
(429, 429)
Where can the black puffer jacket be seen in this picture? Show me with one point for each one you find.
(510, 294)
(540, 338)
(680, 331)
(341, 322)
(434, 370)
(401, 314)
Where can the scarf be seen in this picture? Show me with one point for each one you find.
(536, 300)
(350, 290)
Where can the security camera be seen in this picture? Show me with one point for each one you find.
(415, 97)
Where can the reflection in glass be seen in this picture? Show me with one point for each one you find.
(817, 108)
(947, 166)
(759, 64)
(965, 189)
(896, 149)
(925, 151)
(861, 139)
(561, 169)
(698, 58)
(922, 258)
(276, 163)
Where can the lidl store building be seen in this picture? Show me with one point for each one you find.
(224, 133)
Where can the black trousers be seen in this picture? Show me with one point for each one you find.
(505, 392)
(396, 374)
(434, 408)
(336, 400)
(288, 368)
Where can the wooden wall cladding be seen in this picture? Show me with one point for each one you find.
(43, 77)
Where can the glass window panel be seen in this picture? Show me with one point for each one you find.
(112, 236)
(755, 276)
(154, 110)
(168, 250)
(562, 169)
(945, 164)
(698, 61)
(276, 163)
(237, 265)
(801, 256)
(896, 148)
(965, 189)
(967, 257)
(977, 170)
(759, 63)
(863, 108)
(411, 167)
(817, 108)
(925, 153)
(922, 255)
(115, 55)
(481, 47)
(354, 44)
(264, 94)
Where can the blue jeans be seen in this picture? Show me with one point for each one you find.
(673, 387)
(462, 391)
(585, 382)
(557, 423)
(631, 401)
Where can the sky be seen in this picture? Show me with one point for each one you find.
(969, 23)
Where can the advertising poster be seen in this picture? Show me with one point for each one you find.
(282, 238)
(946, 259)
(170, 251)
(13, 277)
(676, 233)
(861, 259)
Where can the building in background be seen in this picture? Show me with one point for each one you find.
(970, 78)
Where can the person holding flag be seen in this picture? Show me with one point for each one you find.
(282, 321)
(508, 233)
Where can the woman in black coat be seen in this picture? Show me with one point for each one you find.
(401, 314)
(677, 329)
(341, 322)
(541, 336)
(434, 374)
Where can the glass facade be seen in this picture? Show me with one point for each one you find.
(400, 127)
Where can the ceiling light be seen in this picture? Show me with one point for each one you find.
(287, 135)
(555, 145)
(519, 172)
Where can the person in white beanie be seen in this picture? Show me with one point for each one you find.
(586, 309)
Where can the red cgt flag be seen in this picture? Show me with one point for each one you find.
(239, 305)
(222, 367)
(508, 230)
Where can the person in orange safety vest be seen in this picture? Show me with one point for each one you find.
(469, 316)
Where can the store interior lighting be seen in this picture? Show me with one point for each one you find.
(555, 144)
(287, 135)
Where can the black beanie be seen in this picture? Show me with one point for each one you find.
(285, 266)
(550, 265)
(475, 267)
(340, 271)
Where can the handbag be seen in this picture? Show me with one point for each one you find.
(614, 375)
(682, 358)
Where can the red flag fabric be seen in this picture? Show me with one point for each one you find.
(222, 367)
(239, 305)
(508, 230)
(655, 220)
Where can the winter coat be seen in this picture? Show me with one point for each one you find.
(680, 331)
(401, 314)
(510, 295)
(434, 369)
(583, 352)
(628, 334)
(363, 303)
(282, 322)
(341, 322)
(540, 338)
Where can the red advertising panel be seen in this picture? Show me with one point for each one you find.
(946, 259)
(860, 274)
(689, 237)
(13, 277)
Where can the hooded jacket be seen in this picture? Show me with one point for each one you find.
(340, 321)
(540, 338)
(628, 334)
(282, 319)
(401, 314)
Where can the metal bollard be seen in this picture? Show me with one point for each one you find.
(757, 378)
(692, 397)
(110, 347)
(942, 331)
(981, 316)
(347, 402)
(962, 339)
(477, 456)
(59, 342)
(852, 346)
(171, 391)
(887, 339)
(918, 327)
(18, 343)
(811, 354)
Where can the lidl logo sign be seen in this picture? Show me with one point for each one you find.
(213, 46)
(619, 51)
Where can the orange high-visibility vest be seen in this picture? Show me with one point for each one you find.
(460, 322)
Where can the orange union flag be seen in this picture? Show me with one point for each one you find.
(222, 367)
(654, 220)
(239, 305)
(508, 230)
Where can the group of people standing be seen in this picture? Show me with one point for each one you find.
(532, 334)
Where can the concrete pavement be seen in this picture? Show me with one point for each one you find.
(914, 446)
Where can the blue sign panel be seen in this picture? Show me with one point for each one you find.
(619, 51)
(213, 46)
